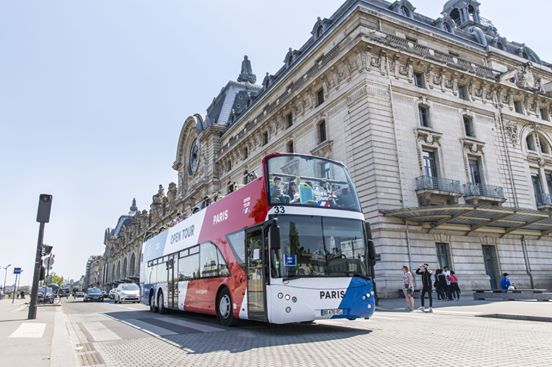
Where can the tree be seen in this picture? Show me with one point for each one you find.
(57, 279)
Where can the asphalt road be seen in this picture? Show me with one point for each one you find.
(107, 334)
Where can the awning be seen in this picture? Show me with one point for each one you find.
(478, 219)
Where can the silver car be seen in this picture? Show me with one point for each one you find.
(127, 292)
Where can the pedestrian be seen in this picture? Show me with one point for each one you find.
(425, 273)
(437, 284)
(505, 283)
(448, 288)
(408, 288)
(454, 285)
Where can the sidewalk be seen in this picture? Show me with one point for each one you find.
(40, 342)
(524, 310)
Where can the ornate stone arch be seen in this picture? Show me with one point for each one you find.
(118, 270)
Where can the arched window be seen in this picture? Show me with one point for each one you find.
(537, 143)
(112, 275)
(471, 12)
(455, 15)
(119, 269)
(132, 269)
(125, 268)
(404, 11)
(544, 146)
(447, 27)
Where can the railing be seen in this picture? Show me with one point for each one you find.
(438, 184)
(489, 191)
(544, 199)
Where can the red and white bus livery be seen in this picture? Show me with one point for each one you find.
(290, 246)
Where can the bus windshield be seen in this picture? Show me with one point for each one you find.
(309, 181)
(319, 247)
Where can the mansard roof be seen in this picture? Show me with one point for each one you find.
(473, 30)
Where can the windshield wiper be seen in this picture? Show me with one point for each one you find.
(292, 278)
(360, 276)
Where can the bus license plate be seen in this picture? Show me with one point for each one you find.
(331, 312)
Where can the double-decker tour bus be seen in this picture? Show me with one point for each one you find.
(290, 246)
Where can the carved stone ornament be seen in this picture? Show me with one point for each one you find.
(511, 130)
(429, 137)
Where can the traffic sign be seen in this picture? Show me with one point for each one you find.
(49, 261)
(17, 270)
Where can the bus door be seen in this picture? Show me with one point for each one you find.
(172, 282)
(256, 300)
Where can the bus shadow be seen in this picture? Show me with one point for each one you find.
(250, 336)
(247, 335)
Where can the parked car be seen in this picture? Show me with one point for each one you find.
(112, 293)
(105, 294)
(79, 294)
(93, 294)
(127, 292)
(64, 292)
(45, 295)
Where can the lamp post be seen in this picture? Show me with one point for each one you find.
(5, 275)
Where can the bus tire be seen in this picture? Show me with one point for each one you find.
(224, 308)
(160, 305)
(152, 303)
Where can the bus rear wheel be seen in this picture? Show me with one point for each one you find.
(152, 303)
(224, 308)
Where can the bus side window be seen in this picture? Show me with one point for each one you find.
(222, 267)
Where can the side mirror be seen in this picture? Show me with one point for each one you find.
(275, 235)
(371, 252)
(370, 245)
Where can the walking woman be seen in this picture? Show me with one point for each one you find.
(408, 288)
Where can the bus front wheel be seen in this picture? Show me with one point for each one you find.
(224, 308)
(160, 304)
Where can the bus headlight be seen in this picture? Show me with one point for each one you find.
(293, 299)
(288, 297)
(288, 309)
(280, 295)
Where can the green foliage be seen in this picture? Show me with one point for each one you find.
(57, 279)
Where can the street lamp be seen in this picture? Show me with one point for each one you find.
(5, 275)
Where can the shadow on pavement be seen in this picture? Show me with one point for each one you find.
(246, 336)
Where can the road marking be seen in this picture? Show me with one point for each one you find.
(100, 332)
(20, 308)
(192, 325)
(151, 329)
(29, 330)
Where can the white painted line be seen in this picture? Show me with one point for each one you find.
(152, 329)
(100, 332)
(20, 308)
(29, 330)
(192, 325)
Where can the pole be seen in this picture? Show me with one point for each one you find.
(14, 288)
(36, 276)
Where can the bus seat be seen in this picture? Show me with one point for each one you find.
(305, 193)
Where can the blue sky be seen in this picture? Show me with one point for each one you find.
(93, 95)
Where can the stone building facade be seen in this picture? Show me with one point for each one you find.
(443, 123)
(93, 273)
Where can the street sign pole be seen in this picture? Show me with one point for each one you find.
(36, 276)
(15, 287)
